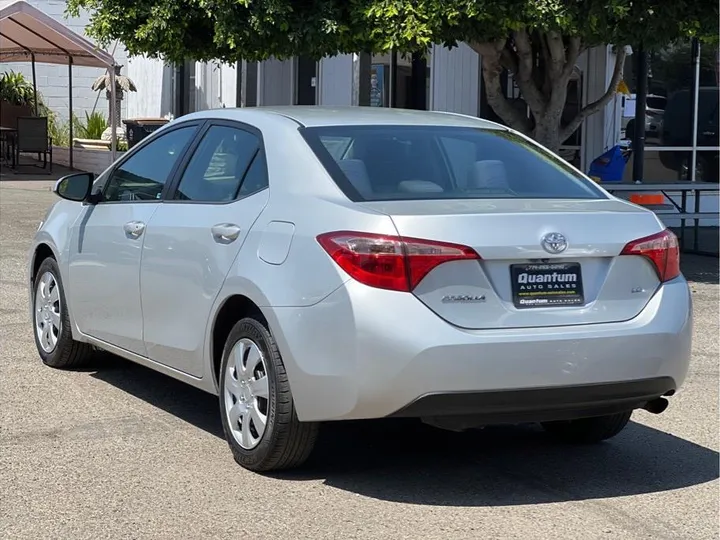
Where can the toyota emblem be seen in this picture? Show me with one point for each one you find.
(554, 243)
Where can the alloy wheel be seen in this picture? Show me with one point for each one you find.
(47, 312)
(246, 393)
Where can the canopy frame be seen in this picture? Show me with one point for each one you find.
(85, 54)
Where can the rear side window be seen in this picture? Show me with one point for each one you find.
(218, 166)
(372, 163)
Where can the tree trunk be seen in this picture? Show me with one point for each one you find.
(543, 84)
(547, 130)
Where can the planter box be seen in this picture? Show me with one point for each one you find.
(92, 160)
(92, 144)
(9, 113)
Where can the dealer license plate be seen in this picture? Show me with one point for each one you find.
(546, 285)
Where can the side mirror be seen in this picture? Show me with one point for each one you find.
(75, 187)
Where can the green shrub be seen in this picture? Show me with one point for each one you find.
(16, 89)
(95, 125)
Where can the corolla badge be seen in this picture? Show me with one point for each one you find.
(452, 298)
(554, 243)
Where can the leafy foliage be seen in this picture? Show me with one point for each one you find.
(539, 41)
(16, 89)
(228, 30)
(95, 124)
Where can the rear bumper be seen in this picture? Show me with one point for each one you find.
(541, 404)
(382, 353)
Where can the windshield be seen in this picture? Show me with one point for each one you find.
(373, 163)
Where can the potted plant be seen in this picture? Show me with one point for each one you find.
(17, 98)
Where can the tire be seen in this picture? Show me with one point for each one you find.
(588, 430)
(250, 356)
(57, 349)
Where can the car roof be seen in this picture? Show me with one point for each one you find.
(317, 116)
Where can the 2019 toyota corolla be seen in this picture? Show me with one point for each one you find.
(308, 264)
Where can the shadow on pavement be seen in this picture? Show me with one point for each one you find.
(700, 269)
(405, 461)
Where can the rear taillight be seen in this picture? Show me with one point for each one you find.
(663, 251)
(390, 262)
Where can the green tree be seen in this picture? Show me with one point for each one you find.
(539, 41)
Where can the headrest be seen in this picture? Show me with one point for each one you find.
(357, 174)
(419, 186)
(488, 173)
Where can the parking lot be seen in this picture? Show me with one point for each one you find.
(118, 451)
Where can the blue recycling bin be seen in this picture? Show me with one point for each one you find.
(610, 166)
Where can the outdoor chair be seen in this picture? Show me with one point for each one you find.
(32, 138)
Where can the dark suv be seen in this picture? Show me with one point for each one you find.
(677, 131)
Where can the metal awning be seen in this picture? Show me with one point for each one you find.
(27, 34)
(26, 31)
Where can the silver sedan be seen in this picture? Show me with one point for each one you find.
(309, 265)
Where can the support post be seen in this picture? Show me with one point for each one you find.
(113, 114)
(240, 81)
(260, 84)
(695, 100)
(393, 79)
(418, 82)
(361, 80)
(70, 110)
(294, 70)
(641, 75)
(35, 99)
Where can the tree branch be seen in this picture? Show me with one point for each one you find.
(525, 78)
(561, 74)
(597, 105)
(491, 70)
(557, 53)
(573, 52)
(542, 74)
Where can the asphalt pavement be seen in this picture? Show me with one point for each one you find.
(120, 452)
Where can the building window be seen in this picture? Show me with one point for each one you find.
(673, 103)
(399, 81)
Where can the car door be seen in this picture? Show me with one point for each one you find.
(107, 239)
(194, 237)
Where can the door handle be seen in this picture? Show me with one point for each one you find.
(225, 232)
(134, 228)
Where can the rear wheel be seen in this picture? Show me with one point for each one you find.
(588, 430)
(51, 321)
(257, 409)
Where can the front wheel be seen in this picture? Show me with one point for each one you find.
(588, 430)
(51, 321)
(256, 405)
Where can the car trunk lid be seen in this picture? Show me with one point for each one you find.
(522, 281)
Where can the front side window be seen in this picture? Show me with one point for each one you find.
(143, 175)
(219, 165)
(439, 162)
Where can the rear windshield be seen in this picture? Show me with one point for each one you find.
(375, 163)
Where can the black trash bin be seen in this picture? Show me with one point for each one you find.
(136, 129)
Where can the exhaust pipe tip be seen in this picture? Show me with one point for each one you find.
(656, 406)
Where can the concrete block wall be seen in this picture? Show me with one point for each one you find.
(52, 80)
(84, 159)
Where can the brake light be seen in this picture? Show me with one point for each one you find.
(390, 262)
(663, 251)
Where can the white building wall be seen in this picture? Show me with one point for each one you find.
(227, 86)
(276, 82)
(52, 80)
(154, 81)
(336, 80)
(455, 80)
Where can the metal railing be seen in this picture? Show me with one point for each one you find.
(679, 211)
